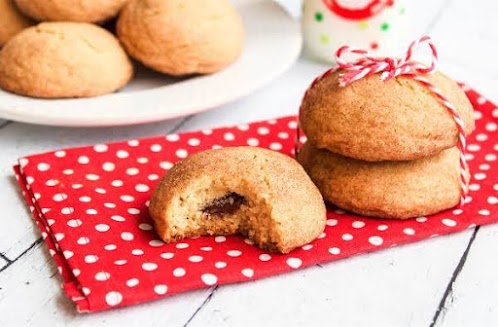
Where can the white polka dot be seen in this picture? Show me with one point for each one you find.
(468, 199)
(133, 143)
(100, 190)
(92, 177)
(307, 247)
(108, 166)
(59, 197)
(220, 239)
(292, 124)
(110, 247)
(322, 235)
(74, 223)
(195, 258)
(220, 264)
(100, 148)
(207, 248)
(347, 237)
(181, 153)
(283, 135)
(229, 136)
(85, 290)
(234, 253)
(339, 211)
(481, 100)
(473, 147)
(263, 131)
(490, 157)
(60, 154)
(492, 200)
(481, 137)
(50, 222)
(166, 165)
(127, 236)
(133, 211)
(491, 127)
(209, 279)
(30, 180)
(484, 167)
(474, 187)
(167, 255)
(102, 227)
(91, 211)
(83, 160)
(118, 218)
(334, 251)
(193, 142)
(172, 137)
(303, 139)
(91, 258)
(68, 171)
(113, 298)
(480, 176)
(42, 166)
(156, 148)
(495, 187)
(477, 115)
(421, 219)
(457, 212)
(137, 252)
(142, 160)
(109, 205)
(265, 257)
(179, 272)
(83, 240)
(37, 196)
(122, 154)
(358, 224)
(276, 146)
(76, 272)
(121, 262)
(117, 183)
(51, 182)
(153, 177)
(145, 226)
(182, 245)
(449, 222)
(376, 240)
(469, 156)
(495, 113)
(294, 262)
(132, 282)
(59, 236)
(127, 198)
(132, 171)
(67, 254)
(85, 199)
(149, 266)
(331, 222)
(409, 231)
(142, 188)
(156, 243)
(161, 289)
(252, 142)
(248, 272)
(484, 212)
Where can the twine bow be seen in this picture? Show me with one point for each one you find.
(388, 67)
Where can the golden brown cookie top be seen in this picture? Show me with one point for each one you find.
(61, 59)
(12, 21)
(91, 11)
(373, 120)
(181, 37)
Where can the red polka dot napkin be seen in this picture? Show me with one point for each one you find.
(91, 206)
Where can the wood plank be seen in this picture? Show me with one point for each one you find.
(30, 296)
(18, 231)
(472, 300)
(396, 287)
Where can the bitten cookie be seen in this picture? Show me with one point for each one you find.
(64, 60)
(90, 11)
(182, 37)
(11, 21)
(374, 120)
(388, 189)
(258, 193)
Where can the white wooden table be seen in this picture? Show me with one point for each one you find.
(447, 281)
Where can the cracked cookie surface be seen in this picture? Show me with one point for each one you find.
(64, 60)
(263, 195)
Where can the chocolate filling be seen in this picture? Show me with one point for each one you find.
(228, 204)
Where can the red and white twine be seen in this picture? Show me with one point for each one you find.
(366, 65)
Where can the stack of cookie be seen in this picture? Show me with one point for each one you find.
(384, 148)
(69, 55)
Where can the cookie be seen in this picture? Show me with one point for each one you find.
(263, 195)
(11, 21)
(182, 37)
(64, 60)
(90, 11)
(388, 189)
(372, 120)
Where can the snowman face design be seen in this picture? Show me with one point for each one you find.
(357, 9)
(375, 25)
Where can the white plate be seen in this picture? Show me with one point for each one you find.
(273, 43)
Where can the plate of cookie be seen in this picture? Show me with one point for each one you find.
(153, 61)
